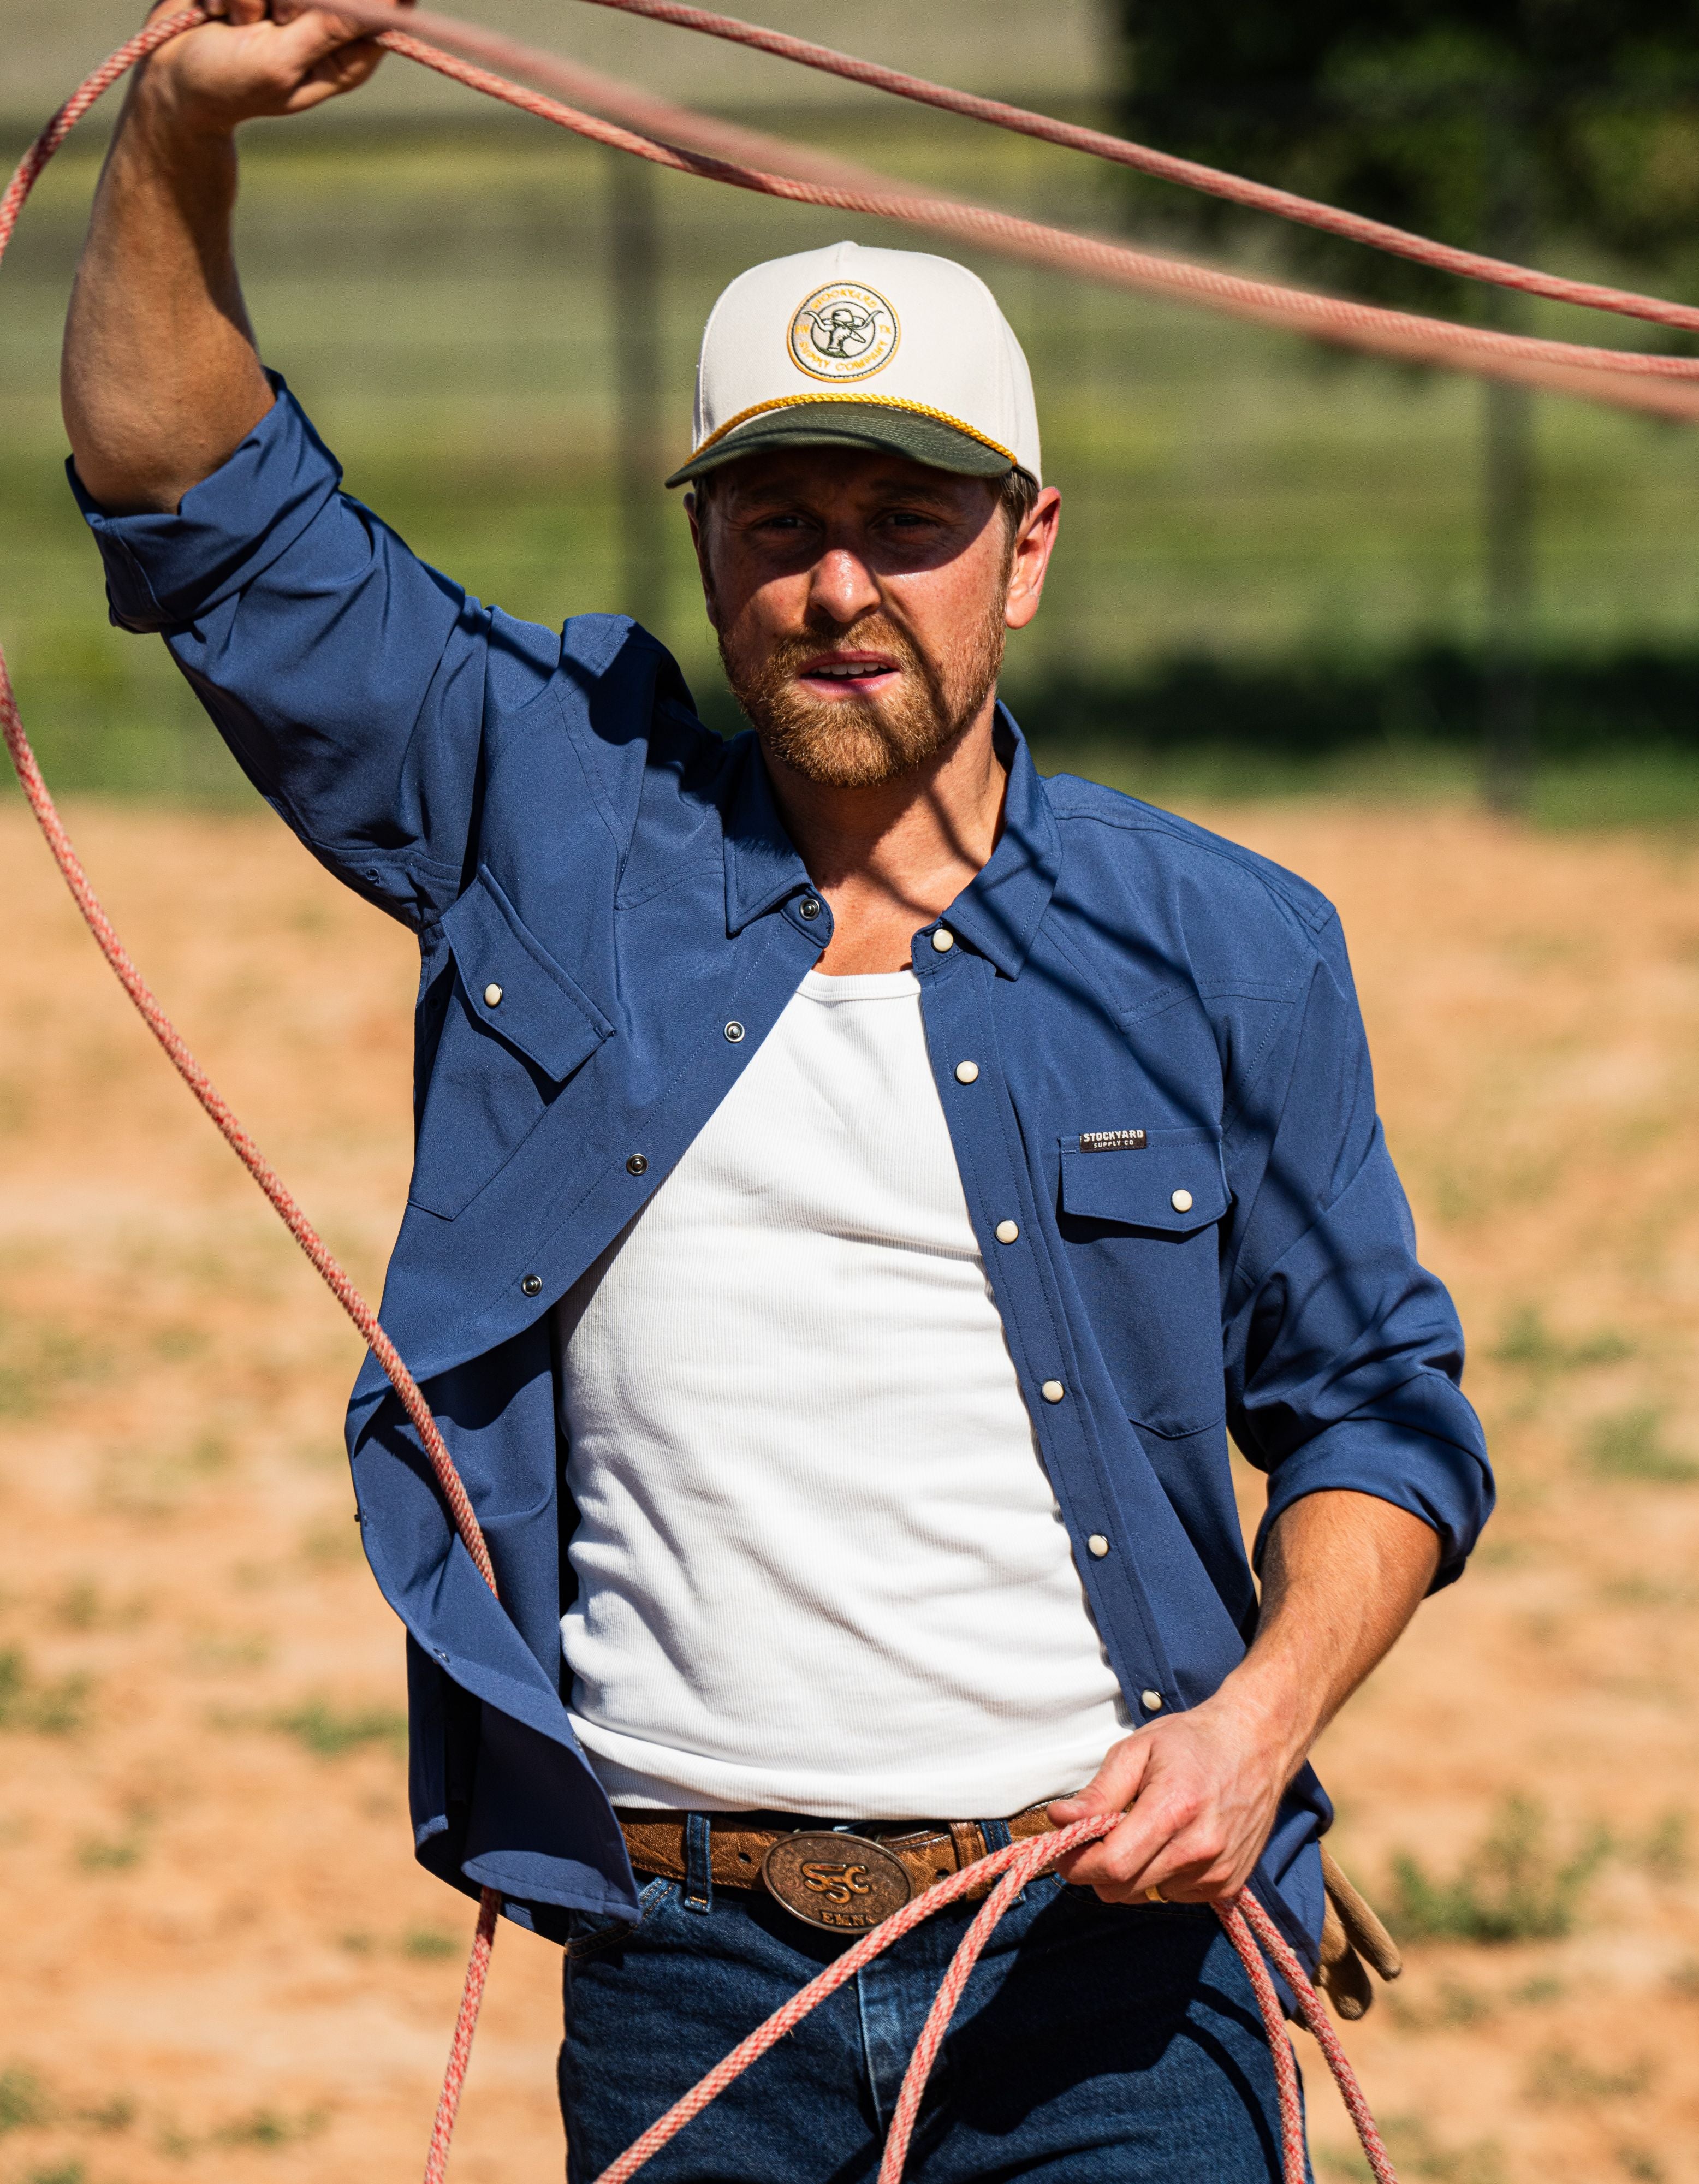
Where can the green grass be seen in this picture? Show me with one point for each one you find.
(53, 1705)
(116, 2113)
(426, 1943)
(22, 2103)
(1656, 789)
(441, 301)
(267, 2127)
(1417, 2153)
(1513, 1886)
(1560, 2074)
(328, 1732)
(1666, 1850)
(1628, 788)
(38, 1361)
(1527, 1340)
(1629, 1444)
(110, 1853)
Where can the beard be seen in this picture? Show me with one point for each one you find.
(861, 742)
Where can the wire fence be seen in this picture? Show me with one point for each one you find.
(496, 331)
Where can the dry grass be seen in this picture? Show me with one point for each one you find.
(223, 1962)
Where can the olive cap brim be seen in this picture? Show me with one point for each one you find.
(879, 426)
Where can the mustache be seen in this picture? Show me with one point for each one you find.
(875, 634)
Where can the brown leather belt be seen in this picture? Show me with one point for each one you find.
(841, 1882)
(846, 1882)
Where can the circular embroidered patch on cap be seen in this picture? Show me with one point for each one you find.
(844, 332)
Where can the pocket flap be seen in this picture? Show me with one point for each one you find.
(515, 987)
(1173, 1182)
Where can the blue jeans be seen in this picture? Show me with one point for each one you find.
(1095, 2044)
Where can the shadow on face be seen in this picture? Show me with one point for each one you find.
(860, 599)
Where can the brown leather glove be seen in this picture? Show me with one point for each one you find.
(1350, 1932)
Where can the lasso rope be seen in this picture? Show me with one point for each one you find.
(212, 1100)
(1246, 1923)
(1189, 174)
(1624, 378)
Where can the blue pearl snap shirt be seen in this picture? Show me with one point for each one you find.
(1145, 1041)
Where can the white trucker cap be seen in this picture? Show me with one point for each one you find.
(891, 349)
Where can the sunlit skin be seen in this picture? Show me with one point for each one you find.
(807, 546)
(804, 555)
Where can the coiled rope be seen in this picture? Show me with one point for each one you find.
(701, 149)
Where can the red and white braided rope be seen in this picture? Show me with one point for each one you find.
(1667, 386)
(212, 1100)
(1188, 173)
(1243, 1921)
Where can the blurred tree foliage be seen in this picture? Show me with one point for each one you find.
(1497, 125)
(1490, 123)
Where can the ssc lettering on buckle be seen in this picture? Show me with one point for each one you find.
(840, 1884)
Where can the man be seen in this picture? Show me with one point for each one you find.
(859, 1187)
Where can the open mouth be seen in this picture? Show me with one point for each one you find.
(849, 674)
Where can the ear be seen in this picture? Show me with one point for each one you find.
(1029, 557)
(696, 515)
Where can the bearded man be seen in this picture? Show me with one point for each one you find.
(860, 1188)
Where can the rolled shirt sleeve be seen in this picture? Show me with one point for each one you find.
(1343, 1355)
(350, 680)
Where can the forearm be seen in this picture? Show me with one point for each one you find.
(1342, 1576)
(160, 381)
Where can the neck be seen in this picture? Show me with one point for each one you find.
(889, 858)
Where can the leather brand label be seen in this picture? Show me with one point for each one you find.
(1111, 1141)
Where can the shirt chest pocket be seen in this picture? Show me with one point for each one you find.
(515, 1027)
(1142, 1229)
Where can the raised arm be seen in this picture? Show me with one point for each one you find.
(160, 380)
(357, 689)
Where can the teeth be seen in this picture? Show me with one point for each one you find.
(845, 674)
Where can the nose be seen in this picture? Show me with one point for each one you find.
(841, 586)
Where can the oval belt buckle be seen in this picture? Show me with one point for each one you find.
(840, 1884)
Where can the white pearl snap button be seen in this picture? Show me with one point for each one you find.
(1053, 1391)
(1098, 1544)
(943, 940)
(1181, 1201)
(1007, 1231)
(1152, 1701)
(966, 1072)
(492, 995)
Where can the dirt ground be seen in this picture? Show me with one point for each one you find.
(221, 1959)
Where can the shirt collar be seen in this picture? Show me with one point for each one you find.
(998, 912)
(762, 866)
